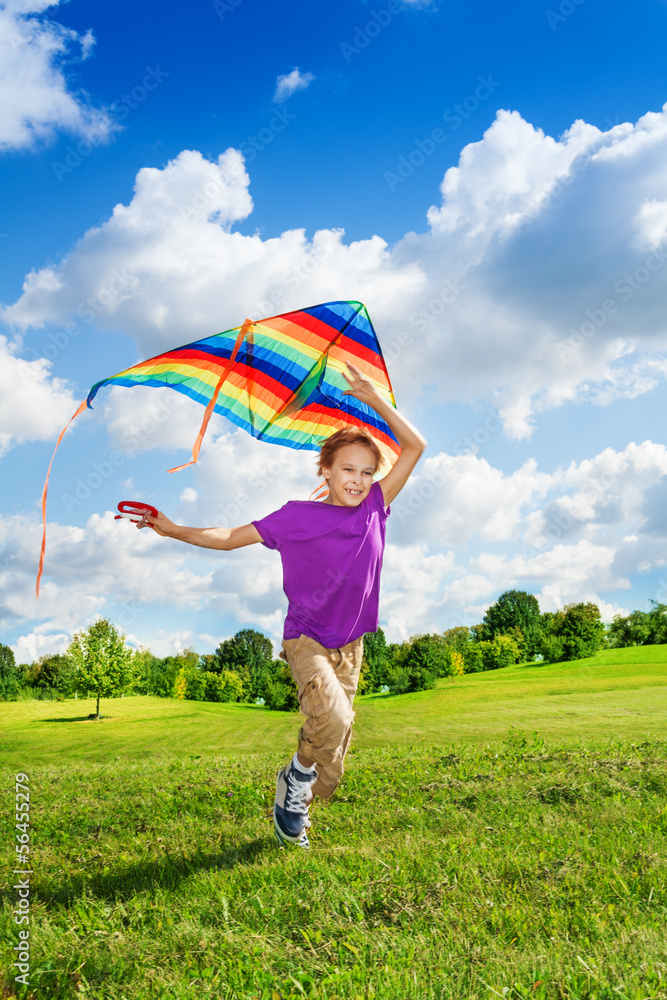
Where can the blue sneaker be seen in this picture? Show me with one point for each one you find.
(290, 812)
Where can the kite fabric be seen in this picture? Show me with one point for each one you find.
(280, 379)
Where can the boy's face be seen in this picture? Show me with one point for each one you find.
(350, 476)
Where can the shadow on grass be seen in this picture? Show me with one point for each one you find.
(164, 873)
(77, 718)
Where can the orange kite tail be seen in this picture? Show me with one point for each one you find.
(82, 407)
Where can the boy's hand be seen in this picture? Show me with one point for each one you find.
(160, 524)
(360, 387)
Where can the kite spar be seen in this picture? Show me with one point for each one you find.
(280, 379)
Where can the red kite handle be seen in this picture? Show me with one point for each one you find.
(135, 511)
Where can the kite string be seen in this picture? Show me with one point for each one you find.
(81, 408)
(211, 404)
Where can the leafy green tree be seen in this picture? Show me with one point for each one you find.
(419, 662)
(103, 663)
(458, 638)
(143, 670)
(473, 657)
(280, 692)
(640, 628)
(502, 651)
(491, 654)
(515, 609)
(54, 672)
(10, 678)
(225, 686)
(249, 654)
(376, 662)
(579, 629)
(551, 648)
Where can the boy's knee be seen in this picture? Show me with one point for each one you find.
(321, 737)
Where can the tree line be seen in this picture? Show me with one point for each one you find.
(243, 668)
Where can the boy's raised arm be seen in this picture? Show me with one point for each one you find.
(411, 441)
(207, 538)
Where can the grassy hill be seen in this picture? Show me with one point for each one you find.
(619, 693)
(461, 859)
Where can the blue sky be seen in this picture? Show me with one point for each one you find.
(488, 178)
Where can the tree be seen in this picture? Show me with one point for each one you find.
(375, 666)
(54, 672)
(577, 627)
(280, 692)
(9, 674)
(249, 654)
(640, 628)
(419, 662)
(103, 663)
(515, 609)
(458, 638)
(503, 651)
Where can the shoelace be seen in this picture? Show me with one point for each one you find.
(298, 797)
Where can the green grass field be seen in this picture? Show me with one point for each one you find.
(504, 835)
(620, 693)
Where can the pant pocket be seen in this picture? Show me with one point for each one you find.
(312, 699)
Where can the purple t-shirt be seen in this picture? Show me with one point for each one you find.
(332, 557)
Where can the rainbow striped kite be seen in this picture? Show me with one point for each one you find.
(280, 379)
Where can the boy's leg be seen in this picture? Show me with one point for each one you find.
(325, 697)
(347, 667)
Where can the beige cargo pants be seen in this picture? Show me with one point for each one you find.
(327, 680)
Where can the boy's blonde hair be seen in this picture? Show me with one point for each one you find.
(343, 437)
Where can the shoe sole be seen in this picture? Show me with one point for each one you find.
(285, 841)
(281, 837)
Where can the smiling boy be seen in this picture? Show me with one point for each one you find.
(331, 553)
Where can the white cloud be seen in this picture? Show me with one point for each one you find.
(35, 97)
(289, 83)
(29, 648)
(534, 286)
(651, 224)
(33, 406)
(412, 580)
(568, 535)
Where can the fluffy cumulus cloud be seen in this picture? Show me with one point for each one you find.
(462, 533)
(289, 83)
(35, 96)
(33, 406)
(573, 534)
(539, 280)
(108, 568)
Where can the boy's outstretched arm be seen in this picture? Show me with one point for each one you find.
(411, 441)
(207, 538)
